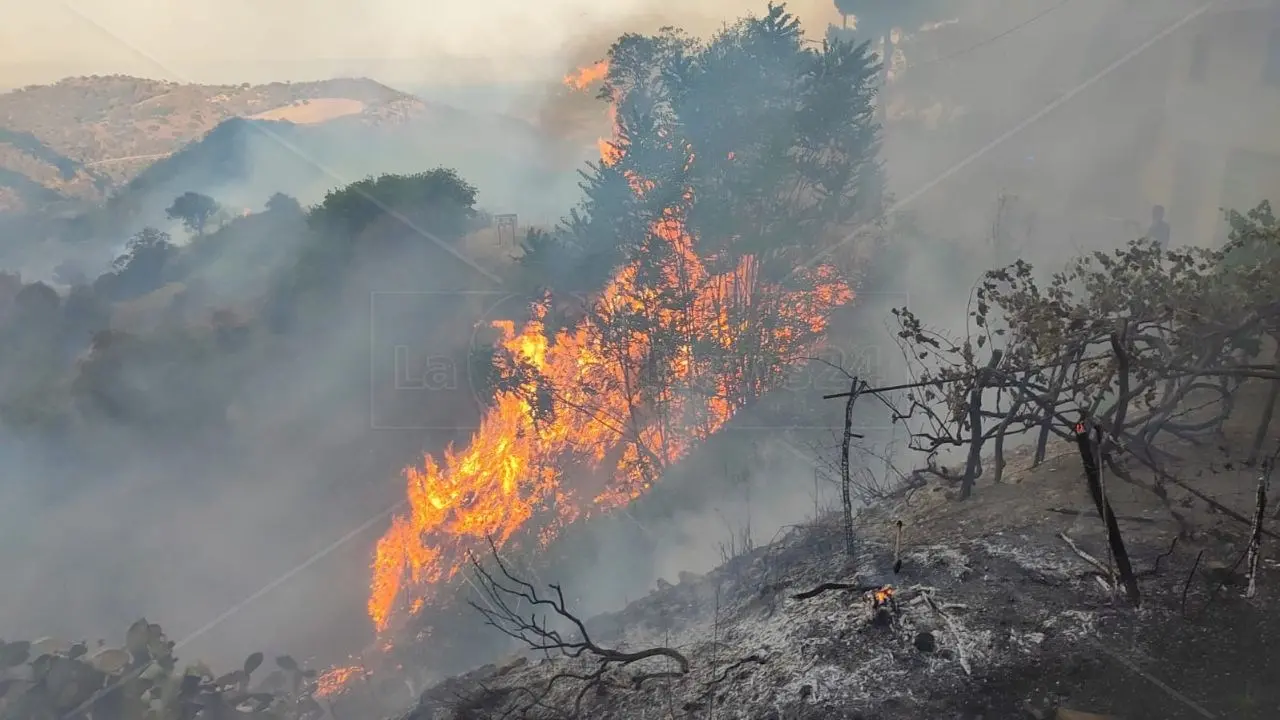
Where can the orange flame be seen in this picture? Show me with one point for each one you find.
(335, 680)
(584, 78)
(585, 407)
(883, 595)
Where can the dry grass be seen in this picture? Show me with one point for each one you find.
(313, 111)
(99, 123)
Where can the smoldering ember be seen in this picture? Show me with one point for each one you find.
(849, 385)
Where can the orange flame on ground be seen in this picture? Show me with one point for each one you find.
(335, 680)
(590, 409)
(883, 595)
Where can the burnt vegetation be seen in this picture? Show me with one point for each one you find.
(1136, 357)
(1139, 356)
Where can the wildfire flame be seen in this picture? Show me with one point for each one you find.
(883, 595)
(586, 77)
(335, 680)
(585, 410)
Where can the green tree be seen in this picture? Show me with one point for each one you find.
(194, 210)
(281, 203)
(439, 201)
(736, 160)
(396, 222)
(141, 268)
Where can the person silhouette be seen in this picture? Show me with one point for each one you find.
(1159, 230)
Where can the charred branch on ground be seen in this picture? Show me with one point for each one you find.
(517, 609)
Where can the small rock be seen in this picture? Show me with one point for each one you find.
(925, 642)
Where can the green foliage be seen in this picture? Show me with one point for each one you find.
(141, 268)
(402, 219)
(764, 145)
(52, 680)
(194, 210)
(281, 203)
(1123, 337)
(438, 199)
(1253, 237)
(1198, 298)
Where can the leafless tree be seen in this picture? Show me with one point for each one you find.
(517, 609)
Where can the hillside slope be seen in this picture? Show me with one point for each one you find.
(82, 137)
(997, 613)
(243, 162)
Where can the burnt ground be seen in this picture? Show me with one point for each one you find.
(996, 615)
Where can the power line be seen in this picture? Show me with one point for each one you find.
(991, 39)
(962, 378)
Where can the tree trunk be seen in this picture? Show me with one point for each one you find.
(1255, 537)
(973, 468)
(1055, 388)
(846, 493)
(1268, 413)
(1093, 473)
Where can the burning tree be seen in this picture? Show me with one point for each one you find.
(732, 162)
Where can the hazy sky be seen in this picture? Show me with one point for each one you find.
(256, 40)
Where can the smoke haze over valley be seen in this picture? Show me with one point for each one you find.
(264, 262)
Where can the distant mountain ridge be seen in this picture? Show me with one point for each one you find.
(243, 161)
(81, 138)
(109, 160)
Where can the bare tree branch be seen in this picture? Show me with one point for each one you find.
(506, 596)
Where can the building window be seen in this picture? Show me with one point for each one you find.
(1271, 71)
(1199, 57)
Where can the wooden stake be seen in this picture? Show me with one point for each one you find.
(1255, 537)
(1089, 458)
(897, 551)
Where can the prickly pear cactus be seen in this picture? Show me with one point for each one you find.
(50, 679)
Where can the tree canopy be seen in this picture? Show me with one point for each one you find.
(195, 210)
(764, 144)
